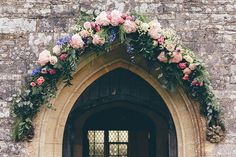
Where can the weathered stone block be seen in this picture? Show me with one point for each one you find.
(19, 25)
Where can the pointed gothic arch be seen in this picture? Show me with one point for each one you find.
(50, 124)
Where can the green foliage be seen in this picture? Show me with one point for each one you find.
(139, 43)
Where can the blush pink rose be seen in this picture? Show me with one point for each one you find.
(53, 60)
(44, 57)
(102, 19)
(32, 84)
(162, 57)
(128, 18)
(76, 41)
(40, 80)
(186, 77)
(177, 57)
(130, 26)
(187, 71)
(182, 65)
(116, 18)
(87, 25)
(97, 40)
(153, 33)
(84, 33)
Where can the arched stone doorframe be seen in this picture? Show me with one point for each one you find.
(50, 124)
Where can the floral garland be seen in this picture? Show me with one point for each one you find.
(161, 48)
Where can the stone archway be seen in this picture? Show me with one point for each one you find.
(50, 124)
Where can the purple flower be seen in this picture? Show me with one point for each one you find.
(36, 71)
(63, 40)
(129, 49)
(113, 36)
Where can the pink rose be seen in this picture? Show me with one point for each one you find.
(87, 25)
(63, 57)
(84, 33)
(161, 40)
(162, 57)
(102, 19)
(76, 41)
(186, 77)
(57, 50)
(128, 18)
(182, 65)
(52, 71)
(53, 60)
(32, 84)
(201, 84)
(194, 82)
(130, 26)
(97, 40)
(116, 18)
(44, 57)
(187, 71)
(97, 28)
(40, 80)
(177, 57)
(153, 33)
(44, 71)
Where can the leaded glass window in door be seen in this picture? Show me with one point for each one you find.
(109, 143)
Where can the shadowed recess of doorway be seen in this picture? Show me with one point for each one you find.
(120, 100)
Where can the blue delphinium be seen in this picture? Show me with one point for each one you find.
(113, 36)
(63, 40)
(36, 71)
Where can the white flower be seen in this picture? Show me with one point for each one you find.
(192, 66)
(57, 50)
(170, 47)
(154, 24)
(53, 60)
(44, 57)
(144, 27)
(102, 19)
(188, 58)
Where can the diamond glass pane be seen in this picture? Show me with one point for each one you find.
(91, 149)
(122, 149)
(99, 149)
(123, 136)
(113, 149)
(113, 136)
(99, 136)
(91, 135)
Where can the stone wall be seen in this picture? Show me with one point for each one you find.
(29, 26)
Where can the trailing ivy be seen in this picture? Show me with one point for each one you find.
(174, 64)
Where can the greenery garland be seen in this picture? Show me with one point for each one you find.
(160, 47)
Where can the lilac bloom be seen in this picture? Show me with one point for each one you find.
(63, 40)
